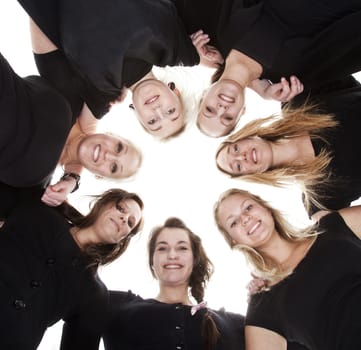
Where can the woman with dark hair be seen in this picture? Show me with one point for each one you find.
(304, 144)
(49, 259)
(313, 291)
(172, 319)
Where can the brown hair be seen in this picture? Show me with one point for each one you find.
(293, 123)
(101, 254)
(201, 273)
(264, 267)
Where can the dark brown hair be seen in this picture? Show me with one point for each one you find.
(201, 273)
(101, 254)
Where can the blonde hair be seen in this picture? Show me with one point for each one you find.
(264, 266)
(292, 123)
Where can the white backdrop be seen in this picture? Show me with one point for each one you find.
(177, 178)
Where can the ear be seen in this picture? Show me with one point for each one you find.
(243, 110)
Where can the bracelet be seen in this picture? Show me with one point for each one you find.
(74, 176)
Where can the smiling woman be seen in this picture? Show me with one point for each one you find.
(178, 178)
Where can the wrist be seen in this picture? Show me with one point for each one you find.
(69, 175)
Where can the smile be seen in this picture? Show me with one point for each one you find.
(96, 153)
(151, 100)
(254, 228)
(254, 155)
(225, 98)
(172, 266)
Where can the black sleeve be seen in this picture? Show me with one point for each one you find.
(83, 329)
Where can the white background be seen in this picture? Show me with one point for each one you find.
(177, 178)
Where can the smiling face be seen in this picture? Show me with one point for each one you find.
(108, 156)
(116, 221)
(158, 108)
(173, 257)
(221, 108)
(246, 156)
(246, 221)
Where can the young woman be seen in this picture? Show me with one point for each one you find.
(314, 274)
(49, 259)
(273, 41)
(177, 317)
(40, 129)
(113, 46)
(315, 149)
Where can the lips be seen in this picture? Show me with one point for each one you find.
(172, 266)
(96, 153)
(254, 228)
(254, 155)
(151, 99)
(226, 98)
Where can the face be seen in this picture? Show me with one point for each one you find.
(158, 108)
(108, 156)
(246, 156)
(173, 257)
(116, 221)
(246, 221)
(221, 108)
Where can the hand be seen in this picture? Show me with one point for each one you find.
(56, 194)
(284, 91)
(208, 54)
(256, 285)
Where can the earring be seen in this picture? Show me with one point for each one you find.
(171, 85)
(131, 106)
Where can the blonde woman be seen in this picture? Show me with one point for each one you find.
(314, 274)
(317, 150)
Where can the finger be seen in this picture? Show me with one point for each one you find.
(201, 40)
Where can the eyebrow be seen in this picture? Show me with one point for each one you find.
(179, 242)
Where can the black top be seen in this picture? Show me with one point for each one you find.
(343, 100)
(115, 43)
(35, 123)
(139, 324)
(43, 276)
(319, 303)
(284, 37)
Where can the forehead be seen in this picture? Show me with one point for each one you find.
(173, 235)
(232, 203)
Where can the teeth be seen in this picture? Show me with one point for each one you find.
(226, 98)
(152, 99)
(96, 153)
(254, 228)
(172, 266)
(254, 155)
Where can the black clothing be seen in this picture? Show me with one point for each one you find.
(286, 38)
(35, 123)
(115, 43)
(343, 100)
(43, 277)
(139, 324)
(318, 305)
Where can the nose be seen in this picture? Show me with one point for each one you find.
(110, 156)
(158, 112)
(245, 219)
(172, 254)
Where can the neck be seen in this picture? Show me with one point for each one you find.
(241, 68)
(70, 151)
(174, 294)
(82, 237)
(288, 151)
(148, 76)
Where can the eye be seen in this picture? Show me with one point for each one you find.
(228, 118)
(170, 111)
(120, 207)
(233, 224)
(209, 109)
(161, 249)
(152, 121)
(119, 147)
(249, 207)
(238, 167)
(183, 248)
(235, 148)
(131, 222)
(113, 168)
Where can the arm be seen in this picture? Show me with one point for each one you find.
(258, 338)
(352, 217)
(39, 41)
(283, 91)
